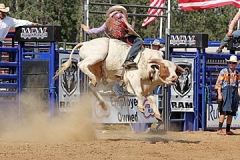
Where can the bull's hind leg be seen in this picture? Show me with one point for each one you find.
(98, 96)
(85, 66)
(152, 101)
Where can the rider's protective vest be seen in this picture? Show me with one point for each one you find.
(116, 28)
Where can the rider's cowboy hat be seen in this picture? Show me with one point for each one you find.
(3, 8)
(116, 8)
(232, 58)
(124, 11)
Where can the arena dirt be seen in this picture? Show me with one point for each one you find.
(73, 136)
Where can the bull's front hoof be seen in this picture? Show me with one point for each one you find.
(141, 110)
(93, 82)
(158, 117)
(104, 106)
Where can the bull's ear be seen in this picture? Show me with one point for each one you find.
(155, 66)
(152, 72)
(155, 63)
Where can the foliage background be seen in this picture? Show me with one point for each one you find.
(70, 14)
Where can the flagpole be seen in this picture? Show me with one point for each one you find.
(86, 22)
(160, 29)
(238, 26)
(86, 17)
(167, 55)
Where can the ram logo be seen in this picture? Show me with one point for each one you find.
(69, 78)
(184, 84)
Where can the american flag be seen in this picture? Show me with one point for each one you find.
(189, 5)
(153, 11)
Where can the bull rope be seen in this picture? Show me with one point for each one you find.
(106, 34)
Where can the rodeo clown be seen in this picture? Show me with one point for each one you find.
(228, 91)
(117, 27)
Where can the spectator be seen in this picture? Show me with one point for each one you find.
(8, 22)
(230, 33)
(156, 45)
(228, 89)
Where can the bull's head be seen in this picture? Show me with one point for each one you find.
(168, 71)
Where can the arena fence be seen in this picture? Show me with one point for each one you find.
(192, 102)
(193, 105)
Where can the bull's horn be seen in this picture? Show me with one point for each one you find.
(158, 61)
(180, 69)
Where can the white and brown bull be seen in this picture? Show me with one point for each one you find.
(102, 58)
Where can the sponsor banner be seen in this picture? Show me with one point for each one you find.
(122, 110)
(184, 104)
(38, 33)
(69, 89)
(185, 40)
(34, 32)
(179, 40)
(182, 92)
(212, 118)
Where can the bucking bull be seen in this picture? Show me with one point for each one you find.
(102, 59)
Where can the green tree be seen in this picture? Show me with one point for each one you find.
(70, 14)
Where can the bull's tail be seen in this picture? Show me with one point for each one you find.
(68, 63)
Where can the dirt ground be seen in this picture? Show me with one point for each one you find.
(73, 136)
(119, 142)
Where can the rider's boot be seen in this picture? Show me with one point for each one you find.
(130, 63)
(132, 54)
(224, 43)
(219, 50)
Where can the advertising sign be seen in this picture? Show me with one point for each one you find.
(182, 91)
(38, 33)
(185, 40)
(69, 90)
(122, 110)
(212, 118)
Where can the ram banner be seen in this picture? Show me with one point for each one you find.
(182, 91)
(69, 83)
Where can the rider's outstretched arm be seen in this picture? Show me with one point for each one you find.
(94, 30)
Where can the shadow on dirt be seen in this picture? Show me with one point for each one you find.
(154, 140)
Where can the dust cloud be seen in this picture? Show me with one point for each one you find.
(35, 125)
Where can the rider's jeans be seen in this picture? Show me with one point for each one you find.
(225, 41)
